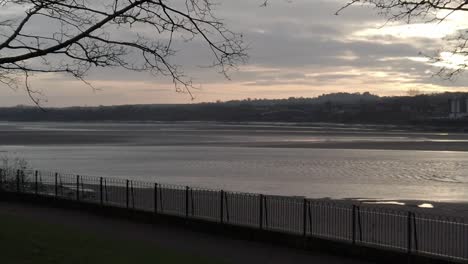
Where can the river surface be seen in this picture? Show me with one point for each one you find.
(317, 160)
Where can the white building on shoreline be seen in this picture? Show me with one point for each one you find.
(458, 107)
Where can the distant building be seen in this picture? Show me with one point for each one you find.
(458, 107)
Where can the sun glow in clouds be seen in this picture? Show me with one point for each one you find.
(433, 30)
(451, 60)
(452, 24)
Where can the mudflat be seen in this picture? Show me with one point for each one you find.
(222, 134)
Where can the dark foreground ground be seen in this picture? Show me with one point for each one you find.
(27, 241)
(190, 243)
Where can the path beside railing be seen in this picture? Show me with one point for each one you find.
(175, 239)
(368, 225)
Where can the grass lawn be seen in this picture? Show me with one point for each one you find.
(25, 241)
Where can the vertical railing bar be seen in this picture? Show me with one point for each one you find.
(187, 201)
(261, 212)
(227, 206)
(415, 233)
(105, 189)
(40, 180)
(82, 188)
(310, 217)
(161, 199)
(192, 202)
(133, 195)
(353, 222)
(60, 184)
(101, 194)
(265, 208)
(359, 222)
(304, 217)
(409, 233)
(127, 193)
(78, 187)
(56, 190)
(221, 207)
(36, 187)
(155, 198)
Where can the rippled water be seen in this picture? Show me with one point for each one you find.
(336, 173)
(333, 173)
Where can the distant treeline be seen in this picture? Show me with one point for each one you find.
(336, 107)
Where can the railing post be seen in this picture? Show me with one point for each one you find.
(101, 193)
(36, 188)
(310, 217)
(56, 184)
(353, 222)
(226, 206)
(261, 212)
(155, 198)
(18, 181)
(78, 187)
(127, 193)
(133, 195)
(105, 190)
(265, 209)
(187, 189)
(304, 217)
(409, 231)
(221, 207)
(358, 212)
(415, 232)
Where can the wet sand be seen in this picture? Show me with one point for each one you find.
(221, 135)
(453, 210)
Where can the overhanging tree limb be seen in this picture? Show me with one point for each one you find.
(87, 33)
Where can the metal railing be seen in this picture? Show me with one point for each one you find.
(370, 225)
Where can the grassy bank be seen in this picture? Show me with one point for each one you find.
(24, 241)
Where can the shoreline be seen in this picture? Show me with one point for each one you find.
(407, 127)
(366, 145)
(457, 209)
(357, 145)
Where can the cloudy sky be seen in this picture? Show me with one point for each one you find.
(296, 48)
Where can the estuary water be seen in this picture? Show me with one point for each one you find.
(313, 160)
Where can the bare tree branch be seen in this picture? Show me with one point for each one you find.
(84, 34)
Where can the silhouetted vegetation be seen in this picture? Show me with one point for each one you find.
(336, 107)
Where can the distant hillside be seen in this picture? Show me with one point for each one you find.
(336, 107)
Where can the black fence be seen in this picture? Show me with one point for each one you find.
(369, 225)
